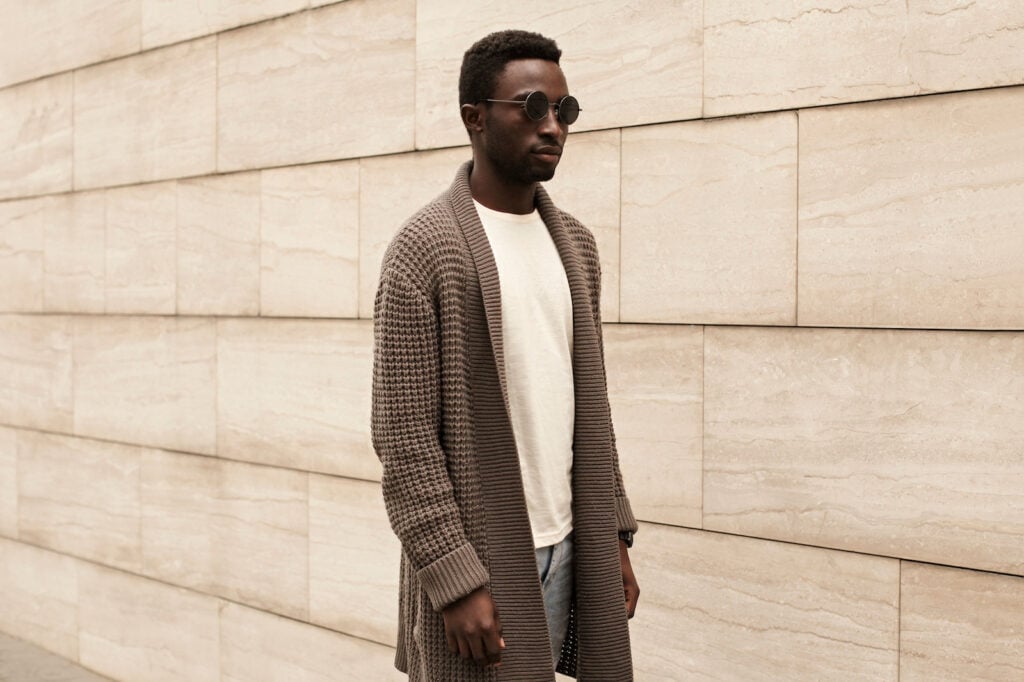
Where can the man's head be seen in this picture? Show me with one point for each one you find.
(486, 59)
(508, 66)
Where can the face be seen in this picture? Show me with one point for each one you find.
(520, 150)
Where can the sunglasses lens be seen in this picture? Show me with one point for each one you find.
(537, 106)
(568, 110)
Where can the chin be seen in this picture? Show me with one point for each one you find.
(543, 173)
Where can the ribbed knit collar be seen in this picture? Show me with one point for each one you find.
(598, 619)
(483, 258)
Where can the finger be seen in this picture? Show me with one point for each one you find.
(464, 649)
(492, 645)
(478, 647)
(453, 642)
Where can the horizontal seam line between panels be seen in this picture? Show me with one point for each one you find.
(824, 547)
(184, 316)
(639, 537)
(696, 323)
(221, 458)
(193, 590)
(424, 150)
(154, 48)
(299, 164)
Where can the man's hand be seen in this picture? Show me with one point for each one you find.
(629, 584)
(473, 629)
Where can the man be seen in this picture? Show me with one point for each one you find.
(490, 409)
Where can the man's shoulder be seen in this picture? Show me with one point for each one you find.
(437, 216)
(580, 233)
(428, 231)
(571, 221)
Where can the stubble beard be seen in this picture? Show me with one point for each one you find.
(513, 168)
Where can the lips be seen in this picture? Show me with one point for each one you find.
(548, 153)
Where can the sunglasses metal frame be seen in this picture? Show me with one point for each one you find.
(557, 105)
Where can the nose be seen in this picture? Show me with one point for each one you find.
(550, 125)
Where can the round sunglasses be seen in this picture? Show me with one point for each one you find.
(536, 106)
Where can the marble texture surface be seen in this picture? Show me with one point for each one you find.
(309, 240)
(353, 559)
(230, 529)
(40, 38)
(326, 84)
(141, 247)
(961, 44)
(146, 380)
(911, 212)
(391, 189)
(74, 254)
(897, 443)
(782, 54)
(218, 245)
(587, 185)
(80, 497)
(35, 372)
(8, 482)
(36, 137)
(627, 63)
(960, 625)
(39, 596)
(133, 628)
(655, 375)
(147, 117)
(722, 607)
(709, 221)
(261, 647)
(170, 21)
(296, 393)
(22, 237)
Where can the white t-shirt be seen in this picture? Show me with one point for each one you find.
(536, 325)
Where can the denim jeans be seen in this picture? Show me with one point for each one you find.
(555, 566)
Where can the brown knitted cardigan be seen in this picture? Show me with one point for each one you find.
(451, 478)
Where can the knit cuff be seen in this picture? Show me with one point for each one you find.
(453, 576)
(624, 515)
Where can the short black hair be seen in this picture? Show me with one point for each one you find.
(486, 59)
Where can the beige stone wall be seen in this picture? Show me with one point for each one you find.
(811, 221)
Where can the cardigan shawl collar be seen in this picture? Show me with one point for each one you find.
(597, 647)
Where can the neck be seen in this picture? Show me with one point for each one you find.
(499, 194)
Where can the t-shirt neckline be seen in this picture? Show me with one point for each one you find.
(506, 217)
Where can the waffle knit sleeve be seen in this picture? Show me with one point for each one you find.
(405, 425)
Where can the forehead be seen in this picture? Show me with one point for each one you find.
(523, 75)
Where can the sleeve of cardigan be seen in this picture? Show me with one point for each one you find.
(405, 426)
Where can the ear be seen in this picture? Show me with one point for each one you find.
(473, 116)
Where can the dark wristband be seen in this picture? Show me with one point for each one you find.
(627, 537)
